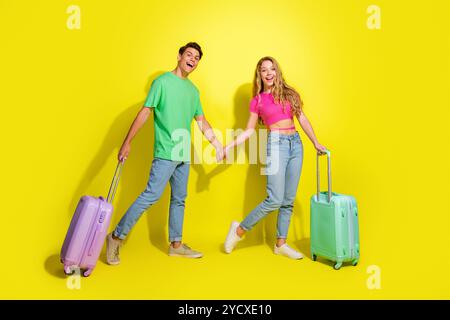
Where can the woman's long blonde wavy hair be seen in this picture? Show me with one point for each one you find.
(281, 91)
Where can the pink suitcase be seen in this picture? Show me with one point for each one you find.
(88, 229)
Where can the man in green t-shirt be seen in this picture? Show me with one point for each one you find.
(175, 101)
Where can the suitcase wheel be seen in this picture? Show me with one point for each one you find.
(87, 273)
(314, 257)
(68, 270)
(354, 263)
(337, 266)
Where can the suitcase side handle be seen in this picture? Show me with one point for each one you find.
(329, 175)
(115, 182)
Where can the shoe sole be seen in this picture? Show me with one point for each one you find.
(280, 254)
(230, 232)
(228, 251)
(185, 256)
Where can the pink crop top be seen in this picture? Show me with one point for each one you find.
(268, 110)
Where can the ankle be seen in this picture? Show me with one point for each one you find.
(240, 232)
(280, 242)
(176, 244)
(115, 238)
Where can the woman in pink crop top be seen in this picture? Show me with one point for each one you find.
(276, 104)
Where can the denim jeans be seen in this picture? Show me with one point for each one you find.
(161, 172)
(284, 165)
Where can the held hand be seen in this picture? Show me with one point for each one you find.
(124, 151)
(225, 152)
(321, 150)
(219, 154)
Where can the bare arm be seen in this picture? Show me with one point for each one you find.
(251, 124)
(308, 129)
(208, 132)
(138, 122)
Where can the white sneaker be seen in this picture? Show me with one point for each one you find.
(232, 238)
(112, 250)
(184, 251)
(287, 251)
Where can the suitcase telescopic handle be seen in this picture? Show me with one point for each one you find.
(115, 182)
(329, 175)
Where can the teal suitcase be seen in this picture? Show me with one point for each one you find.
(334, 224)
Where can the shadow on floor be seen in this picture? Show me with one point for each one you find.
(54, 266)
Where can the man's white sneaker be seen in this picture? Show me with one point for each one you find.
(112, 250)
(232, 238)
(287, 251)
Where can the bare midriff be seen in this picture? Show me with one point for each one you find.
(285, 126)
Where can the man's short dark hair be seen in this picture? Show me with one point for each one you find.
(193, 45)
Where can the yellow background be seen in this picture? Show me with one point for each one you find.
(378, 99)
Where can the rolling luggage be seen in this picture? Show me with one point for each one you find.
(334, 224)
(88, 229)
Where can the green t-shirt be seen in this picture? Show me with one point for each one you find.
(176, 102)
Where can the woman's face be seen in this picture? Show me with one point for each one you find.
(268, 74)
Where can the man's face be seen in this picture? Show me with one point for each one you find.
(188, 61)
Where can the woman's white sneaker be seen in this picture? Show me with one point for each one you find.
(232, 238)
(287, 251)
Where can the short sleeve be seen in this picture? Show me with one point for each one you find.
(198, 107)
(154, 95)
(254, 105)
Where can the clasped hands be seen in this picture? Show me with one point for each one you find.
(221, 152)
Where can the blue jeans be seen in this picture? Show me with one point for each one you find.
(284, 166)
(162, 171)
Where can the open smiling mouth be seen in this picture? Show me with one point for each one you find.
(189, 65)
